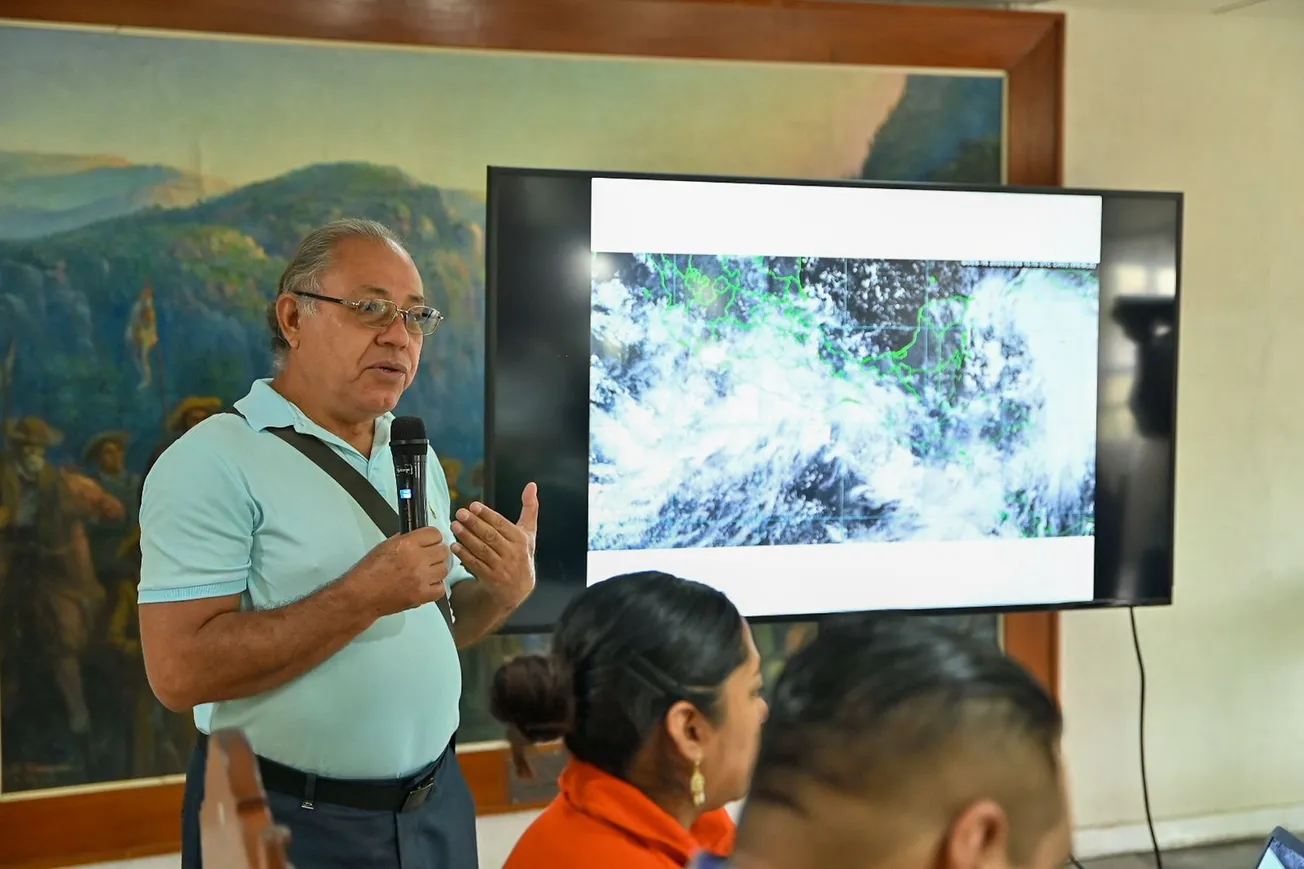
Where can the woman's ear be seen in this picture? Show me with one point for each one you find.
(688, 730)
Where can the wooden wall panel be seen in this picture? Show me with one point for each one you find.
(1029, 47)
(68, 830)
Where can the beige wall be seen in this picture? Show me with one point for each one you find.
(1212, 106)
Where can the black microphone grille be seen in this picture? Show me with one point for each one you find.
(407, 436)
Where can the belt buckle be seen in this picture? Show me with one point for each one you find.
(417, 797)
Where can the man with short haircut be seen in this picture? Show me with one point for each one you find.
(272, 602)
(896, 743)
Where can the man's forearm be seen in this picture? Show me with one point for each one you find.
(243, 654)
(477, 612)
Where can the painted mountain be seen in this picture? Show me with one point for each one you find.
(65, 302)
(945, 129)
(82, 236)
(41, 194)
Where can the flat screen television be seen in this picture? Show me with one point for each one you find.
(823, 397)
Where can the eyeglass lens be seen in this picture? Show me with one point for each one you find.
(379, 313)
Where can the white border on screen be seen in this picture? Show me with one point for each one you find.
(714, 218)
(849, 577)
(705, 218)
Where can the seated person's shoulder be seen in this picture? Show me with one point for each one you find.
(565, 837)
(717, 832)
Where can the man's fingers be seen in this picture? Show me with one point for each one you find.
(474, 565)
(438, 555)
(469, 542)
(469, 524)
(492, 518)
(530, 510)
(437, 590)
(428, 536)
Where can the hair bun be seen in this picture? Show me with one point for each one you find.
(529, 695)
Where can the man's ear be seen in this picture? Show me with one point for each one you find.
(686, 728)
(979, 838)
(288, 316)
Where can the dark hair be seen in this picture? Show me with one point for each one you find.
(624, 651)
(868, 705)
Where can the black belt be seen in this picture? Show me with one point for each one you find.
(312, 789)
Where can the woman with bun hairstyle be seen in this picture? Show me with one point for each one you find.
(654, 683)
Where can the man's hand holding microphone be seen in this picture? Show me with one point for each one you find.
(403, 573)
(411, 570)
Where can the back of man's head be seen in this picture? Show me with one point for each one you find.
(896, 743)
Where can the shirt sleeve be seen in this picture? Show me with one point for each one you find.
(197, 521)
(441, 515)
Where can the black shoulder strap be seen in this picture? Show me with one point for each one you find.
(359, 487)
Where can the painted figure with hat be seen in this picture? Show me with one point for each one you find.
(105, 459)
(189, 412)
(160, 740)
(49, 595)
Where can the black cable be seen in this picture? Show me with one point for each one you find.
(1145, 784)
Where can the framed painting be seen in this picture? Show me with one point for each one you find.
(161, 164)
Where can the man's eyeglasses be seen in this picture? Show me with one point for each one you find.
(381, 313)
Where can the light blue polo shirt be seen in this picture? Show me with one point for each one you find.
(230, 508)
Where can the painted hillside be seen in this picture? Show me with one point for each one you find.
(65, 300)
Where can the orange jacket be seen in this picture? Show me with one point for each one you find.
(601, 822)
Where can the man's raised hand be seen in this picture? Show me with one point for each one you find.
(497, 552)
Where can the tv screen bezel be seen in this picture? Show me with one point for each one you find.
(521, 626)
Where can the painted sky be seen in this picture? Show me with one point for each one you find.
(244, 111)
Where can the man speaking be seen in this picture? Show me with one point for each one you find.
(272, 601)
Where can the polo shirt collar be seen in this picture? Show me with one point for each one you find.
(621, 805)
(265, 408)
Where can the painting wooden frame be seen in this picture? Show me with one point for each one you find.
(63, 829)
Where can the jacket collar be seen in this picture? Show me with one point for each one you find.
(621, 805)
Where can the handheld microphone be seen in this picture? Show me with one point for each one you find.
(411, 447)
(408, 442)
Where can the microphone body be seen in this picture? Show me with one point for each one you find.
(411, 449)
(410, 474)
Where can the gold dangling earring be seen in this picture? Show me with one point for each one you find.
(697, 784)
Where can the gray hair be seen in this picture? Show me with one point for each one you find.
(311, 260)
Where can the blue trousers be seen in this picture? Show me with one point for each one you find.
(440, 834)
